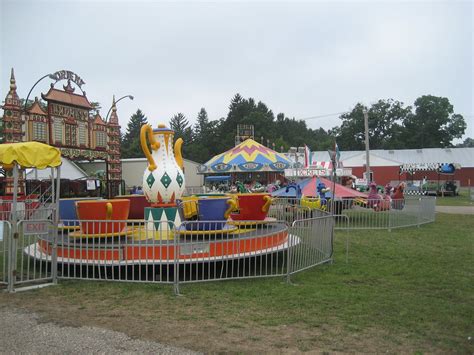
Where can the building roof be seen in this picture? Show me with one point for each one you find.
(98, 119)
(67, 98)
(36, 108)
(380, 157)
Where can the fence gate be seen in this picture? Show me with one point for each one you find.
(27, 263)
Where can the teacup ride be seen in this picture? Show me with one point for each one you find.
(174, 229)
(206, 233)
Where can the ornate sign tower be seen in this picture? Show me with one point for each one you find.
(114, 164)
(65, 122)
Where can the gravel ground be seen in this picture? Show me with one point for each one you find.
(22, 332)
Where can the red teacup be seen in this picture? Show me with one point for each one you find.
(252, 207)
(137, 205)
(99, 212)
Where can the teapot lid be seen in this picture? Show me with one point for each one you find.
(162, 128)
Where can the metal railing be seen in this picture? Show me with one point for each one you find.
(360, 213)
(311, 243)
(292, 239)
(5, 232)
(143, 251)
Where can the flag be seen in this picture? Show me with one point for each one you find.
(307, 157)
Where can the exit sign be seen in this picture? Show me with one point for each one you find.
(36, 227)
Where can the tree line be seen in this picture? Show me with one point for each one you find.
(429, 123)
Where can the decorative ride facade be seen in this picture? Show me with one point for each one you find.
(65, 120)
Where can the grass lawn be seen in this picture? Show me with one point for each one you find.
(409, 290)
(463, 199)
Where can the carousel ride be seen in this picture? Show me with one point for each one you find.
(162, 226)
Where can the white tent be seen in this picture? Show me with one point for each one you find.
(69, 170)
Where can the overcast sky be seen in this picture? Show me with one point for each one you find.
(304, 59)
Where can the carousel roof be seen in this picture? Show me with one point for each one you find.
(247, 156)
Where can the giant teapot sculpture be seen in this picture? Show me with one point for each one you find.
(163, 179)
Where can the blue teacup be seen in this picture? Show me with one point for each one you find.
(67, 210)
(213, 213)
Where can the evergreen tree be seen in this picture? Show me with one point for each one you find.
(202, 140)
(131, 139)
(201, 128)
(180, 125)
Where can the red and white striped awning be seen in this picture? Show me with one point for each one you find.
(322, 164)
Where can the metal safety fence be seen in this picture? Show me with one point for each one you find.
(142, 251)
(360, 213)
(36, 251)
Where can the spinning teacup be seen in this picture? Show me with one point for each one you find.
(252, 206)
(103, 217)
(213, 213)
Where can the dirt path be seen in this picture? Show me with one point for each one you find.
(25, 333)
(455, 209)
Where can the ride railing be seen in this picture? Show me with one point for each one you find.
(142, 251)
(311, 243)
(361, 213)
(5, 231)
(246, 249)
(383, 214)
(112, 250)
(22, 223)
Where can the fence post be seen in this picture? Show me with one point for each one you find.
(14, 231)
(420, 211)
(290, 239)
(176, 263)
(55, 216)
(11, 248)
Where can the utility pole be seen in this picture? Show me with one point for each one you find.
(367, 165)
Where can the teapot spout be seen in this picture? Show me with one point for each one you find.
(177, 153)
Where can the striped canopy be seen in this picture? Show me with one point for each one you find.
(321, 164)
(246, 157)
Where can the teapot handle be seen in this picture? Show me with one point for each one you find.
(145, 131)
(177, 153)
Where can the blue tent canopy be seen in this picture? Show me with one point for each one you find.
(291, 192)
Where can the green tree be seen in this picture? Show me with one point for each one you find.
(202, 144)
(434, 124)
(180, 125)
(96, 107)
(201, 128)
(131, 139)
(468, 143)
(385, 118)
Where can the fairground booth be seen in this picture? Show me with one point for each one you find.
(247, 162)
